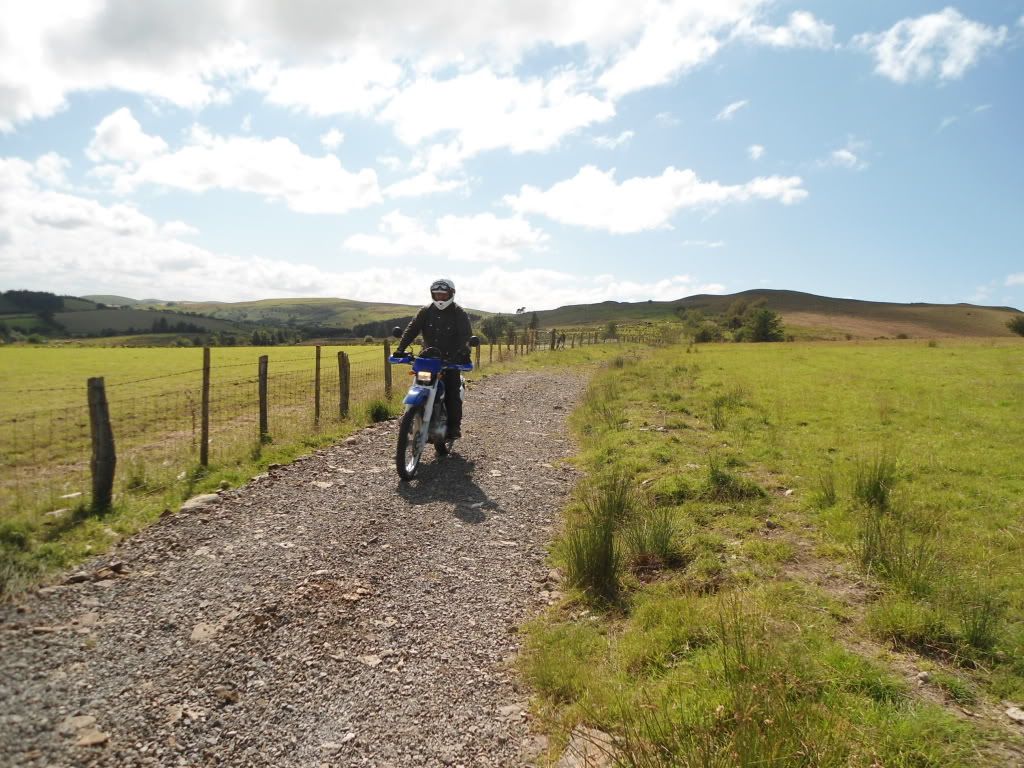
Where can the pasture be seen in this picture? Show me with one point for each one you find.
(799, 554)
(34, 378)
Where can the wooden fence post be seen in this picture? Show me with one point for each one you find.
(264, 425)
(104, 457)
(490, 351)
(553, 332)
(204, 438)
(316, 389)
(343, 384)
(387, 369)
(477, 354)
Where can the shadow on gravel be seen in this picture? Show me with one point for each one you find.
(450, 480)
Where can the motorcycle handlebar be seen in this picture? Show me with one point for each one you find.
(409, 358)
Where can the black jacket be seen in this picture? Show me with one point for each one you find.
(447, 329)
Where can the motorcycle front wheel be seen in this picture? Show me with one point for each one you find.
(407, 457)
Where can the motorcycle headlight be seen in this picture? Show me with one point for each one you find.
(424, 377)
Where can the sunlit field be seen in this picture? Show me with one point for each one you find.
(795, 554)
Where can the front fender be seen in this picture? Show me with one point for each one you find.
(416, 395)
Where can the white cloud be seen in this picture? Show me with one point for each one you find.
(755, 151)
(483, 238)
(332, 139)
(119, 138)
(702, 243)
(1015, 279)
(422, 184)
(667, 118)
(729, 111)
(947, 121)
(802, 31)
(357, 84)
(943, 44)
(676, 38)
(848, 156)
(275, 169)
(390, 162)
(74, 245)
(593, 198)
(483, 111)
(611, 142)
(51, 169)
(246, 124)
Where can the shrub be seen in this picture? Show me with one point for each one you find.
(1016, 324)
(378, 410)
(368, 340)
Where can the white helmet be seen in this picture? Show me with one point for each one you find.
(442, 292)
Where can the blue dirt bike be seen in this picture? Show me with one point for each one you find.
(426, 418)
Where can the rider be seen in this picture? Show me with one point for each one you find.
(445, 326)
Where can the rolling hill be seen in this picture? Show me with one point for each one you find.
(808, 315)
(805, 315)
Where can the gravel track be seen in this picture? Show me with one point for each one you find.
(326, 614)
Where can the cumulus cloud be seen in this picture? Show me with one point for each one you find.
(730, 111)
(802, 31)
(595, 200)
(422, 184)
(357, 84)
(611, 142)
(71, 244)
(275, 169)
(332, 139)
(755, 151)
(944, 45)
(483, 237)
(119, 138)
(51, 169)
(482, 110)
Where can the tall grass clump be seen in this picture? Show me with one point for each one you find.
(592, 553)
(601, 408)
(891, 547)
(651, 539)
(873, 481)
(981, 608)
(758, 709)
(825, 495)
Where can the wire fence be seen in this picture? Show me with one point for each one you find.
(157, 422)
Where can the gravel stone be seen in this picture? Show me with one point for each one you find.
(241, 636)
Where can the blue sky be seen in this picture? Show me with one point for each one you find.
(539, 154)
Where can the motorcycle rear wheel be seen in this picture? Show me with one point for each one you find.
(409, 451)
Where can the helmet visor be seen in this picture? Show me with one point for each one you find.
(440, 295)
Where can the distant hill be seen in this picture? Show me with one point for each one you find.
(121, 301)
(805, 315)
(808, 315)
(314, 312)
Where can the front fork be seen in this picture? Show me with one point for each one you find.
(416, 394)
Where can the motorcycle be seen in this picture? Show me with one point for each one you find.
(425, 419)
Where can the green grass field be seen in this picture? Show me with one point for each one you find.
(36, 378)
(795, 554)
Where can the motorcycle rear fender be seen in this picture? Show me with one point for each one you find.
(416, 395)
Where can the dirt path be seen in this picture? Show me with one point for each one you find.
(325, 615)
